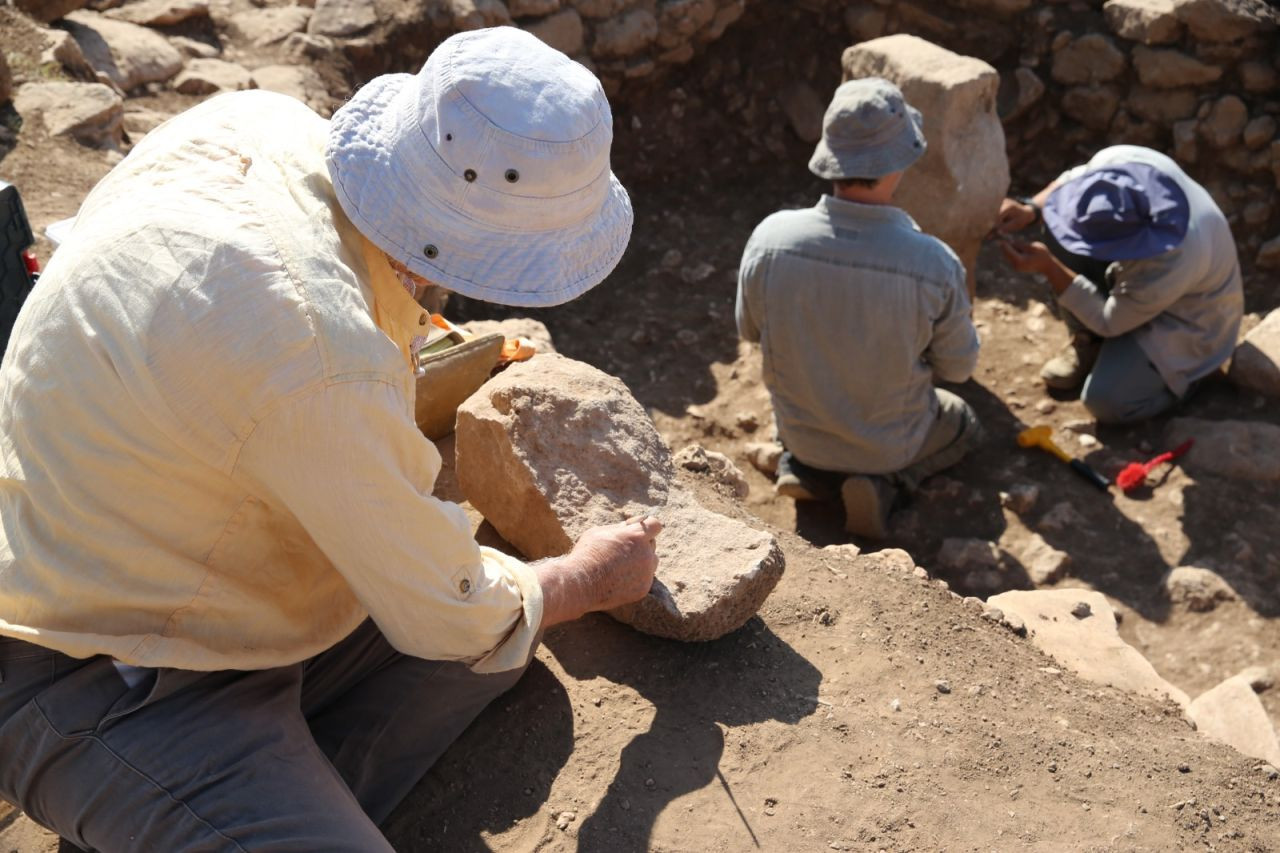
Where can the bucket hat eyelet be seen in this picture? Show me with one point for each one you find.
(469, 175)
(431, 251)
(512, 176)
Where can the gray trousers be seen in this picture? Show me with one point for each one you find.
(1124, 386)
(308, 757)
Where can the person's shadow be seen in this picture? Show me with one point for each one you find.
(749, 676)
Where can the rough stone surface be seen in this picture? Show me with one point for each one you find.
(1172, 69)
(1268, 259)
(803, 109)
(1241, 449)
(296, 81)
(6, 80)
(206, 76)
(194, 48)
(1163, 107)
(1027, 89)
(1197, 589)
(1092, 58)
(1091, 647)
(263, 27)
(127, 54)
(1225, 122)
(563, 31)
(528, 8)
(1092, 106)
(1221, 20)
(954, 190)
(623, 36)
(1147, 21)
(61, 49)
(159, 13)
(1043, 563)
(45, 11)
(1256, 363)
(1062, 517)
(533, 331)
(865, 22)
(1258, 77)
(521, 463)
(474, 14)
(968, 555)
(1021, 498)
(715, 465)
(342, 18)
(1233, 714)
(764, 456)
(90, 113)
(1259, 132)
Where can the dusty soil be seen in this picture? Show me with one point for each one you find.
(820, 725)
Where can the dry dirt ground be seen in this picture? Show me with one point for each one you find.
(821, 725)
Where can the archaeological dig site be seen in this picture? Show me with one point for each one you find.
(691, 426)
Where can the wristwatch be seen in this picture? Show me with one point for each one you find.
(1035, 208)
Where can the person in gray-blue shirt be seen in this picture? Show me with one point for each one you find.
(857, 314)
(1143, 262)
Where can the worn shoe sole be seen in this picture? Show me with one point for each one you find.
(866, 507)
(790, 486)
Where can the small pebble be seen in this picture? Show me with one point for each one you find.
(1082, 610)
(942, 685)
(1086, 440)
(626, 805)
(896, 705)
(1046, 407)
(1184, 768)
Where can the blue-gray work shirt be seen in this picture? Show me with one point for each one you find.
(857, 313)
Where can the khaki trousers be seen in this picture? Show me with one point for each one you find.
(308, 757)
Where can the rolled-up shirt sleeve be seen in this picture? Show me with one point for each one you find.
(1143, 290)
(349, 464)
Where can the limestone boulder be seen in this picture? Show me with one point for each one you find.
(61, 49)
(90, 113)
(552, 447)
(159, 13)
(1233, 714)
(206, 76)
(563, 31)
(533, 331)
(1092, 58)
(342, 18)
(1243, 450)
(297, 81)
(1043, 563)
(127, 54)
(45, 11)
(1087, 644)
(1225, 20)
(1224, 125)
(262, 27)
(1197, 589)
(1146, 21)
(1172, 69)
(618, 38)
(1256, 363)
(475, 14)
(954, 191)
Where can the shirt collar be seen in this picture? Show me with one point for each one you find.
(394, 310)
(853, 211)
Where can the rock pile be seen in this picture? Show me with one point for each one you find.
(552, 447)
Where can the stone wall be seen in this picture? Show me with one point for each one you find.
(1199, 79)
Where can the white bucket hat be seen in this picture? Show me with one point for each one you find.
(487, 172)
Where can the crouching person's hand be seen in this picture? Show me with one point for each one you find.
(608, 567)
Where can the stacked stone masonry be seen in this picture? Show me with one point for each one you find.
(1197, 78)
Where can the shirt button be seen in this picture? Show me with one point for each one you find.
(465, 586)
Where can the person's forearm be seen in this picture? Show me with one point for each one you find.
(564, 595)
(1041, 197)
(1058, 275)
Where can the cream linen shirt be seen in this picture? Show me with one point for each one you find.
(208, 457)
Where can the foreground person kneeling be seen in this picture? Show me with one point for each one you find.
(232, 615)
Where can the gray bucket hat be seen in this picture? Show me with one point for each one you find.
(869, 131)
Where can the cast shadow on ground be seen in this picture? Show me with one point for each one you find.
(496, 774)
(750, 676)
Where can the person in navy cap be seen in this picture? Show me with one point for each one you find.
(1143, 262)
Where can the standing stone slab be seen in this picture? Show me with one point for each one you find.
(90, 113)
(552, 447)
(1256, 363)
(954, 191)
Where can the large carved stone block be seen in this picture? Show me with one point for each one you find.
(954, 191)
(552, 447)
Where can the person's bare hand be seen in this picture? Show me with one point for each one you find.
(609, 566)
(1014, 216)
(1027, 257)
